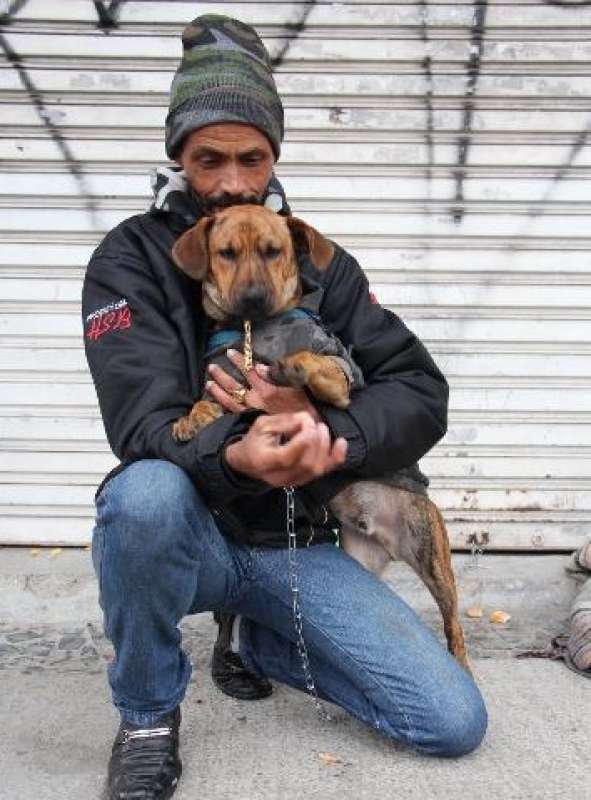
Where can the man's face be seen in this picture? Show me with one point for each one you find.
(227, 163)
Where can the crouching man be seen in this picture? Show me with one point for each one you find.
(200, 526)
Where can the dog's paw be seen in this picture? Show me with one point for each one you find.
(320, 374)
(183, 429)
(202, 414)
(463, 660)
(286, 373)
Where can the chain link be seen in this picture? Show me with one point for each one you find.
(297, 612)
(475, 565)
(477, 548)
(247, 346)
(476, 553)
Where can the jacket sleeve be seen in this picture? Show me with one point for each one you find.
(140, 374)
(402, 411)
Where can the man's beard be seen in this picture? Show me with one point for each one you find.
(225, 200)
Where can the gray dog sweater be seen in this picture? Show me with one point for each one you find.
(281, 336)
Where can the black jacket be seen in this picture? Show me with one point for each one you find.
(145, 333)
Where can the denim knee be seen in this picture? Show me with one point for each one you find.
(146, 503)
(459, 723)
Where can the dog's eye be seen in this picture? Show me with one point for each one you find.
(272, 252)
(229, 253)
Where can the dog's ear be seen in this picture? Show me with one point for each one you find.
(190, 252)
(320, 249)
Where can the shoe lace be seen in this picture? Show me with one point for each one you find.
(145, 758)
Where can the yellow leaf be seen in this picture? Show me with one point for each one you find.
(500, 617)
(475, 612)
(329, 760)
(55, 552)
(34, 551)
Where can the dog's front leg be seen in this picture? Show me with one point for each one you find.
(320, 374)
(202, 413)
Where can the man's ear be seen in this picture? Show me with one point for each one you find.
(190, 251)
(320, 249)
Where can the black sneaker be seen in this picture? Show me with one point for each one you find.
(227, 670)
(145, 763)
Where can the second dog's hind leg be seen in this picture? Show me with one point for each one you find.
(406, 526)
(417, 534)
(438, 576)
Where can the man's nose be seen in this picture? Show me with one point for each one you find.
(233, 181)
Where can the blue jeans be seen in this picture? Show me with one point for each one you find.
(159, 555)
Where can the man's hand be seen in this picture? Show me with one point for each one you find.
(286, 450)
(261, 394)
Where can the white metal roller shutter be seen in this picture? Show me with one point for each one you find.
(445, 144)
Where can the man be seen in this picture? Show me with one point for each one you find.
(184, 528)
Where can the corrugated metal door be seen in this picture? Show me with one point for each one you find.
(445, 144)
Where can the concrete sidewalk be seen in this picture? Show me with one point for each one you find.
(58, 723)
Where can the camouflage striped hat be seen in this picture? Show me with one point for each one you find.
(224, 76)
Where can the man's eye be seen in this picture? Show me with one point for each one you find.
(229, 253)
(272, 252)
(208, 163)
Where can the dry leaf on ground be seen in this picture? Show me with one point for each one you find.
(475, 612)
(34, 551)
(329, 760)
(500, 617)
(55, 552)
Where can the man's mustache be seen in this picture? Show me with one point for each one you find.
(226, 200)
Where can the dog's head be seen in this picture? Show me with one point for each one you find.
(245, 258)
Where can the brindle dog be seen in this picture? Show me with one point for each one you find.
(245, 259)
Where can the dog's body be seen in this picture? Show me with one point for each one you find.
(244, 257)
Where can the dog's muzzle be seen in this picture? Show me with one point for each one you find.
(253, 303)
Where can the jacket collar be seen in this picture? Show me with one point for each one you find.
(173, 195)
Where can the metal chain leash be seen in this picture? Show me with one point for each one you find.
(293, 567)
(297, 612)
(475, 565)
(477, 546)
(247, 346)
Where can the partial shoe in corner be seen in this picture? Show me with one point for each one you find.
(227, 670)
(145, 762)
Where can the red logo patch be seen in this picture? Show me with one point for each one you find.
(106, 320)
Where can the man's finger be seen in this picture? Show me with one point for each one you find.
(295, 475)
(238, 360)
(262, 370)
(325, 456)
(255, 376)
(225, 399)
(306, 448)
(221, 377)
(257, 383)
(288, 424)
(312, 457)
(339, 450)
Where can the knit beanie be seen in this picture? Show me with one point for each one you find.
(224, 76)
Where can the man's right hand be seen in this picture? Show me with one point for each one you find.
(286, 450)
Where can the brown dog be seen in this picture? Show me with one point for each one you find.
(245, 259)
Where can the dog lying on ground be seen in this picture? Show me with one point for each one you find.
(245, 259)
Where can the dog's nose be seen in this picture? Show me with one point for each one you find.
(253, 303)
